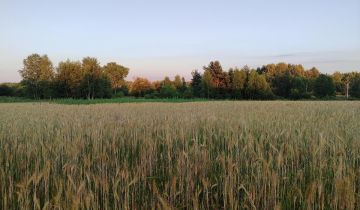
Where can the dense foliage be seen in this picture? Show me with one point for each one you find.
(88, 79)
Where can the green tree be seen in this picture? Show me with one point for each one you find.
(92, 72)
(311, 76)
(103, 87)
(166, 81)
(177, 82)
(206, 83)
(347, 79)
(196, 84)
(37, 74)
(237, 82)
(279, 77)
(281, 84)
(167, 91)
(298, 88)
(339, 83)
(257, 86)
(324, 86)
(69, 77)
(116, 73)
(184, 86)
(355, 86)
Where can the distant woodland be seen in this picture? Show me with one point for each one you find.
(88, 79)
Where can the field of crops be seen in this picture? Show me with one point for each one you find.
(200, 155)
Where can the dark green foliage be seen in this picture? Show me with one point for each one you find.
(152, 95)
(324, 86)
(168, 91)
(119, 94)
(257, 87)
(92, 87)
(124, 90)
(6, 90)
(355, 87)
(103, 88)
(196, 84)
(39, 90)
(281, 85)
(12, 90)
(238, 80)
(298, 88)
(187, 93)
(183, 88)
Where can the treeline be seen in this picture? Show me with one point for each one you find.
(88, 79)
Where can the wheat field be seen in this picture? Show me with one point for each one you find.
(200, 155)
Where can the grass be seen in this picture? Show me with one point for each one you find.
(97, 101)
(71, 101)
(201, 155)
(5, 99)
(123, 100)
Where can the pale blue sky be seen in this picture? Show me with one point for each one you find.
(158, 38)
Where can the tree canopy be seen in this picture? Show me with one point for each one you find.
(88, 79)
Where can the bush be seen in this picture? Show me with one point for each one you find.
(118, 94)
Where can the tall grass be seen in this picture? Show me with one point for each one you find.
(201, 155)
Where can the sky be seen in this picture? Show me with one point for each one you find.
(160, 38)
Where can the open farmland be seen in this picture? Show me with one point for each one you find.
(200, 155)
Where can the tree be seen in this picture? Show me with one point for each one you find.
(37, 72)
(184, 86)
(69, 77)
(219, 77)
(116, 73)
(312, 73)
(311, 76)
(281, 84)
(140, 87)
(103, 87)
(157, 85)
(92, 72)
(206, 83)
(196, 83)
(339, 83)
(220, 80)
(269, 70)
(237, 82)
(167, 91)
(257, 86)
(296, 70)
(324, 86)
(347, 79)
(355, 86)
(298, 88)
(177, 82)
(279, 75)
